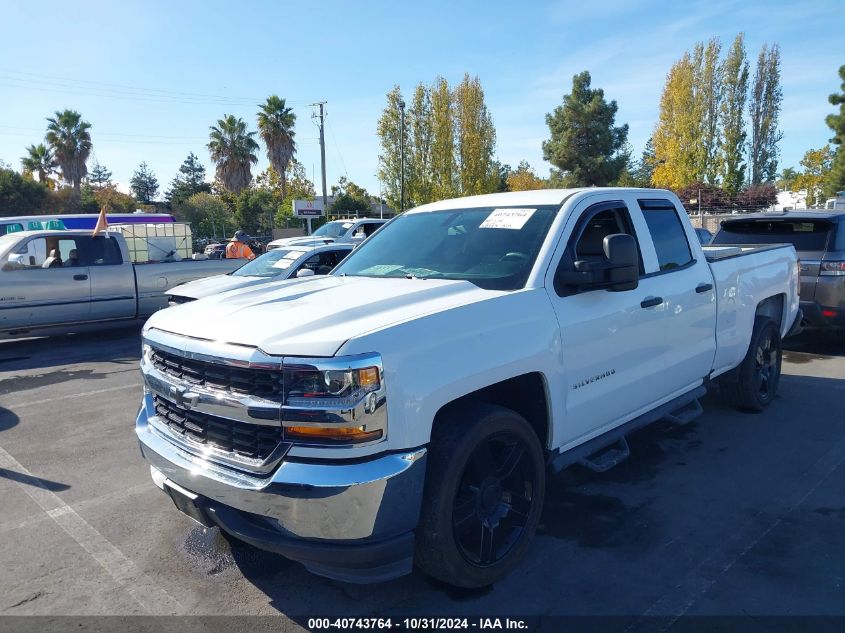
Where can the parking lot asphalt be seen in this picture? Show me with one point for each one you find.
(732, 514)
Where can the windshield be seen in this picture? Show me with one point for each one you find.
(269, 264)
(493, 248)
(804, 235)
(332, 229)
(8, 240)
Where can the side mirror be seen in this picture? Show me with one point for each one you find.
(621, 252)
(305, 272)
(619, 270)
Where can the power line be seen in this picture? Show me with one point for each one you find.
(337, 148)
(101, 86)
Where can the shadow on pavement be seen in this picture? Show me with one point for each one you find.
(38, 482)
(814, 345)
(121, 346)
(8, 419)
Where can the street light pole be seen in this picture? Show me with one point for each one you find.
(401, 155)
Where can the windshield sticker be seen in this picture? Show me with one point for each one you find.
(507, 219)
(346, 225)
(283, 263)
(381, 269)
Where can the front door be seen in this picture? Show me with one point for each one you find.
(613, 342)
(43, 283)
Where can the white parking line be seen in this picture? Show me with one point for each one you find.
(141, 587)
(85, 394)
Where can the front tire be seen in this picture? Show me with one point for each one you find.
(754, 383)
(483, 495)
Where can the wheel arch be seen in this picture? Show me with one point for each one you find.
(526, 394)
(773, 307)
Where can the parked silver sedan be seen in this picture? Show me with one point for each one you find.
(282, 263)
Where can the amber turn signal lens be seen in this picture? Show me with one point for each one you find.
(353, 435)
(368, 377)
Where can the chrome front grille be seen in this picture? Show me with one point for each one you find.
(260, 383)
(252, 441)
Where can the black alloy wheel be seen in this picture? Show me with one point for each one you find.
(484, 489)
(494, 499)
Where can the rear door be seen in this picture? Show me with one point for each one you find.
(32, 295)
(688, 294)
(614, 343)
(112, 280)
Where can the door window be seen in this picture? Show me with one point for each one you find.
(370, 228)
(99, 251)
(312, 263)
(44, 252)
(667, 233)
(587, 240)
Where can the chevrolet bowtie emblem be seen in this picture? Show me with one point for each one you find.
(183, 398)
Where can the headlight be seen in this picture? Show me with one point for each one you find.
(146, 353)
(334, 400)
(339, 386)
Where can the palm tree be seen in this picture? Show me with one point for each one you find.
(39, 160)
(233, 150)
(275, 122)
(70, 142)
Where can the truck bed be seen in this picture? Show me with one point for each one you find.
(743, 274)
(727, 251)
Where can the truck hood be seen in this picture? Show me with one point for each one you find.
(216, 284)
(313, 316)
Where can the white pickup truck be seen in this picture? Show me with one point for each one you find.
(60, 281)
(408, 407)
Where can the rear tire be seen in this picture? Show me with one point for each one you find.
(483, 495)
(754, 383)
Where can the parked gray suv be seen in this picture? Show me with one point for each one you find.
(819, 239)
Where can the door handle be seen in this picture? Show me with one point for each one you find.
(80, 277)
(703, 288)
(650, 302)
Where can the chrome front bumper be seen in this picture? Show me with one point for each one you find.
(344, 503)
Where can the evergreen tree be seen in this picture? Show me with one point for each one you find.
(732, 119)
(835, 180)
(641, 171)
(584, 143)
(766, 99)
(189, 180)
(99, 177)
(144, 184)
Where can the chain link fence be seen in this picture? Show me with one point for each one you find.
(709, 221)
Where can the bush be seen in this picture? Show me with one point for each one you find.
(19, 195)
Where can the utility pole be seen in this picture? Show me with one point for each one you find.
(401, 156)
(321, 116)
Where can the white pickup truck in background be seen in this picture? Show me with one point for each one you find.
(60, 281)
(407, 408)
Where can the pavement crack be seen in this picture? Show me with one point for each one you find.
(30, 598)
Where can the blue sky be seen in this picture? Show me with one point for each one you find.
(152, 77)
